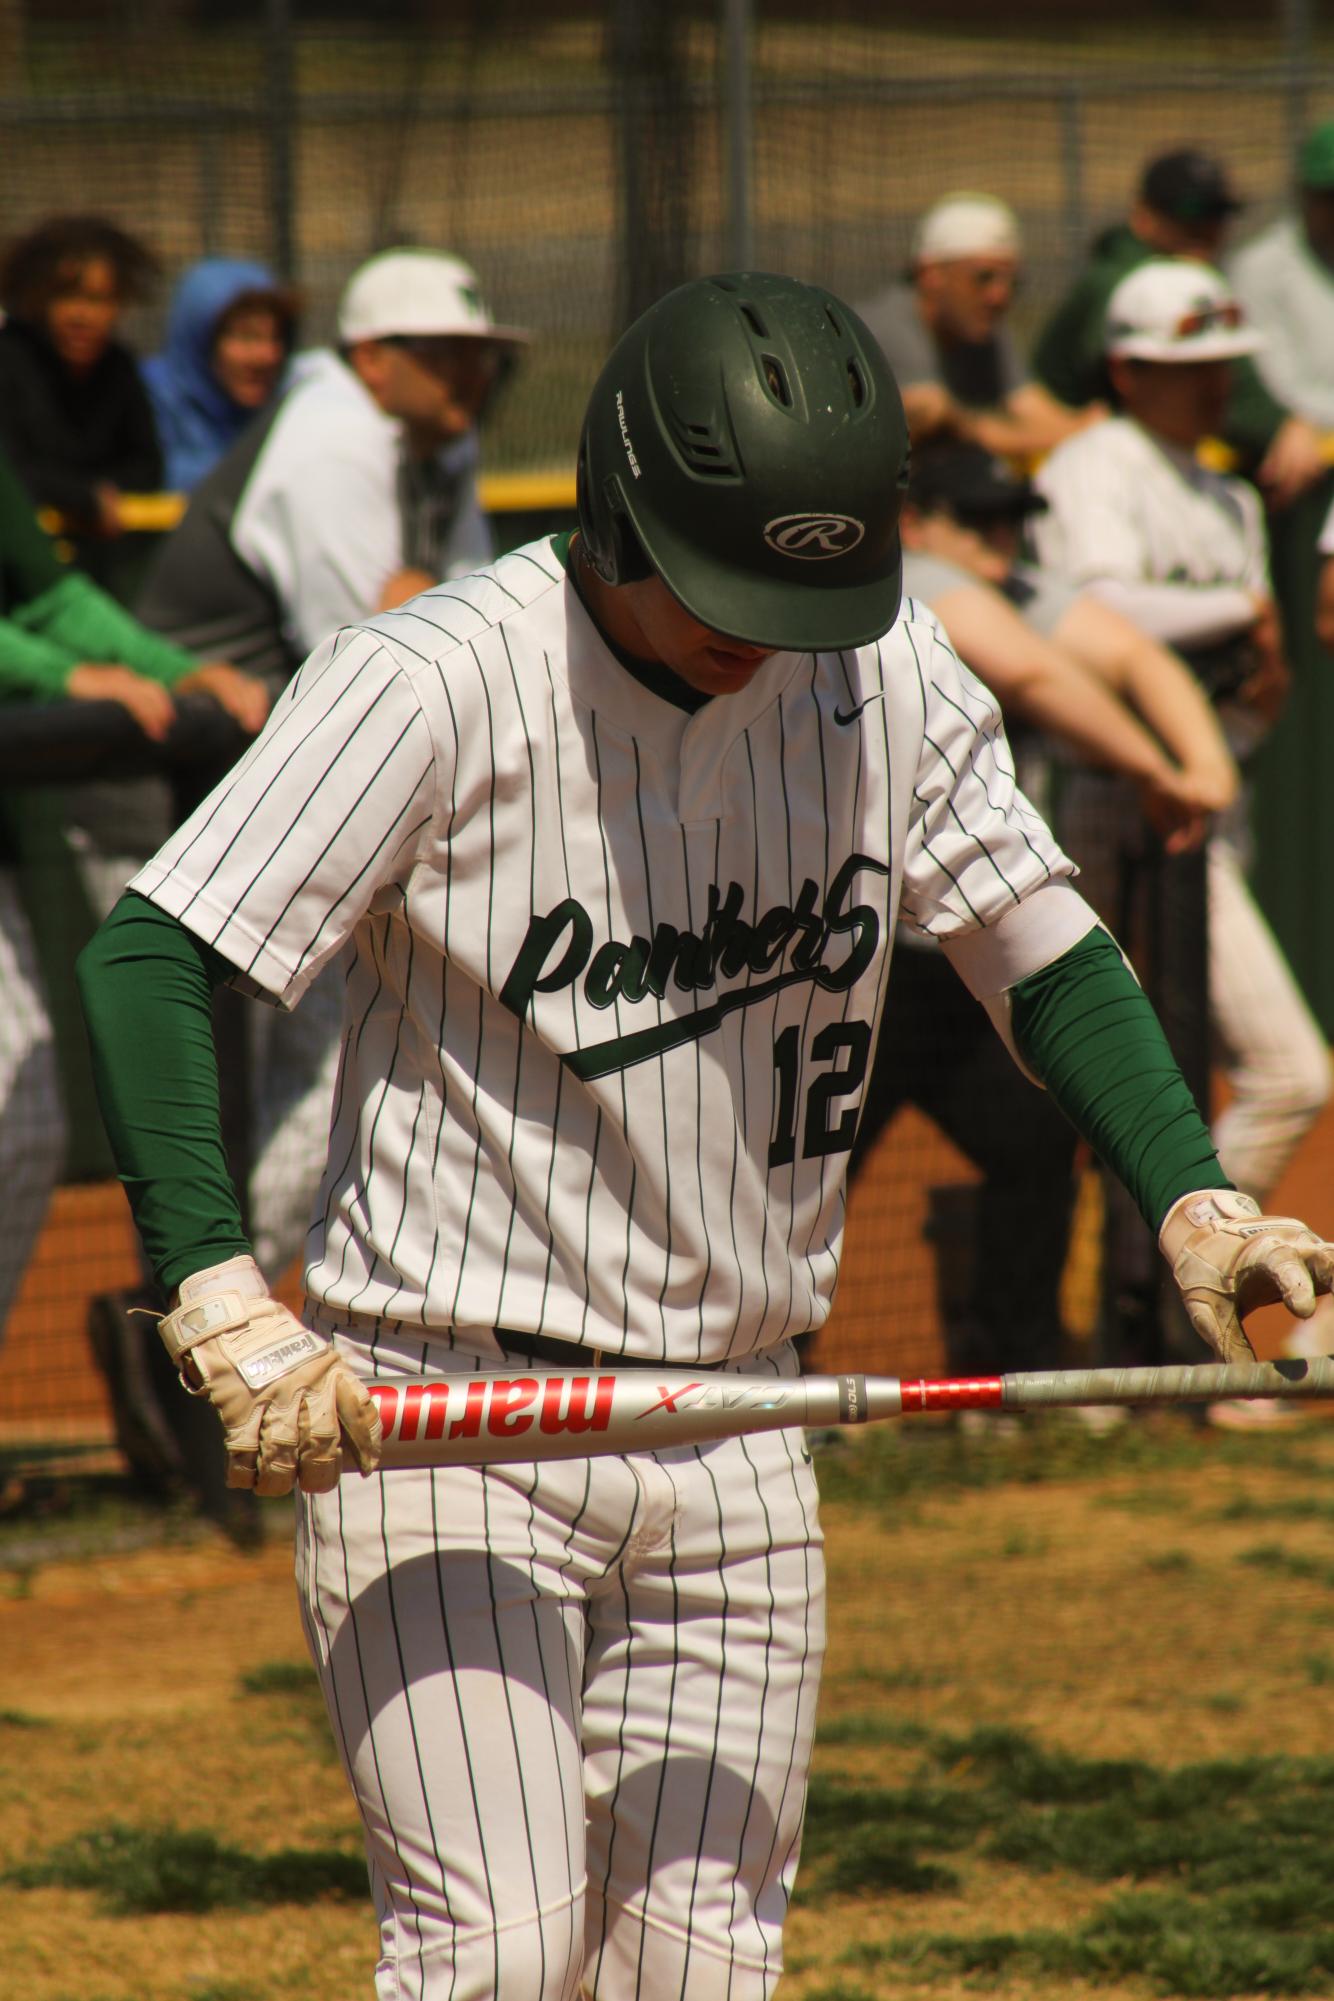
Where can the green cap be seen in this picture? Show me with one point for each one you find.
(1315, 162)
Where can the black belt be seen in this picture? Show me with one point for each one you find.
(558, 1354)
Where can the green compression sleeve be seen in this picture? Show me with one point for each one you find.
(147, 983)
(1086, 1028)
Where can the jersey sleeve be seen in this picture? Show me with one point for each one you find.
(975, 847)
(318, 823)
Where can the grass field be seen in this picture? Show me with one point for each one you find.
(1076, 1737)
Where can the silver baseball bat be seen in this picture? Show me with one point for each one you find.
(468, 1420)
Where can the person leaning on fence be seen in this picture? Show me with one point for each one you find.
(1184, 207)
(1180, 549)
(944, 330)
(229, 335)
(61, 639)
(74, 415)
(1069, 668)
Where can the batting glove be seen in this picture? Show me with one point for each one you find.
(1226, 1258)
(285, 1399)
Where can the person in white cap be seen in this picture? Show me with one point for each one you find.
(355, 493)
(360, 488)
(1135, 519)
(943, 330)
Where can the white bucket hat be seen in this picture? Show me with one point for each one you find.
(422, 292)
(1176, 309)
(966, 225)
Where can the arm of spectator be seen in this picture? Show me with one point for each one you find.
(1039, 681)
(147, 701)
(244, 697)
(88, 624)
(35, 666)
(1295, 459)
(1161, 690)
(404, 584)
(1029, 423)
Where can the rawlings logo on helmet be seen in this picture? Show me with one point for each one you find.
(813, 538)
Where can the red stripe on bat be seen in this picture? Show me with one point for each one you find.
(953, 1393)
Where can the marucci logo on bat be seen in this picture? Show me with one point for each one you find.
(499, 1406)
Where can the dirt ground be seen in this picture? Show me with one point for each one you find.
(1118, 1614)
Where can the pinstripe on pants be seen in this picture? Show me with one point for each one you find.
(575, 1702)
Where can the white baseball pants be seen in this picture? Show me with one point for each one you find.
(575, 1702)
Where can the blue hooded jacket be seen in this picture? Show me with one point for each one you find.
(196, 419)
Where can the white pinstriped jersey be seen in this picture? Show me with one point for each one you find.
(616, 969)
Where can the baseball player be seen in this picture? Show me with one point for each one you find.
(615, 833)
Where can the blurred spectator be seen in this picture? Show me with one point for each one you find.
(74, 415)
(60, 638)
(1180, 549)
(1284, 278)
(944, 331)
(1063, 661)
(1057, 663)
(1184, 208)
(361, 488)
(229, 334)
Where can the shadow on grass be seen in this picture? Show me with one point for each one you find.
(136, 1870)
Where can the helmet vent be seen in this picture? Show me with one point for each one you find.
(702, 449)
(856, 386)
(776, 380)
(753, 321)
(833, 320)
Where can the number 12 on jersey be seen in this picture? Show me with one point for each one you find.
(844, 1047)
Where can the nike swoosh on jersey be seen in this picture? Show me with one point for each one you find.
(852, 714)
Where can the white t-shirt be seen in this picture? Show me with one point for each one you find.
(616, 969)
(1176, 547)
(320, 517)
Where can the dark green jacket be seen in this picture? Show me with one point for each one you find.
(1068, 355)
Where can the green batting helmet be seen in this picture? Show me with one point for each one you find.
(746, 441)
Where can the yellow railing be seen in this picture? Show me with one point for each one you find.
(499, 493)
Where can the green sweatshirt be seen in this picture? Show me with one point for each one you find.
(1068, 355)
(1082, 1024)
(53, 619)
